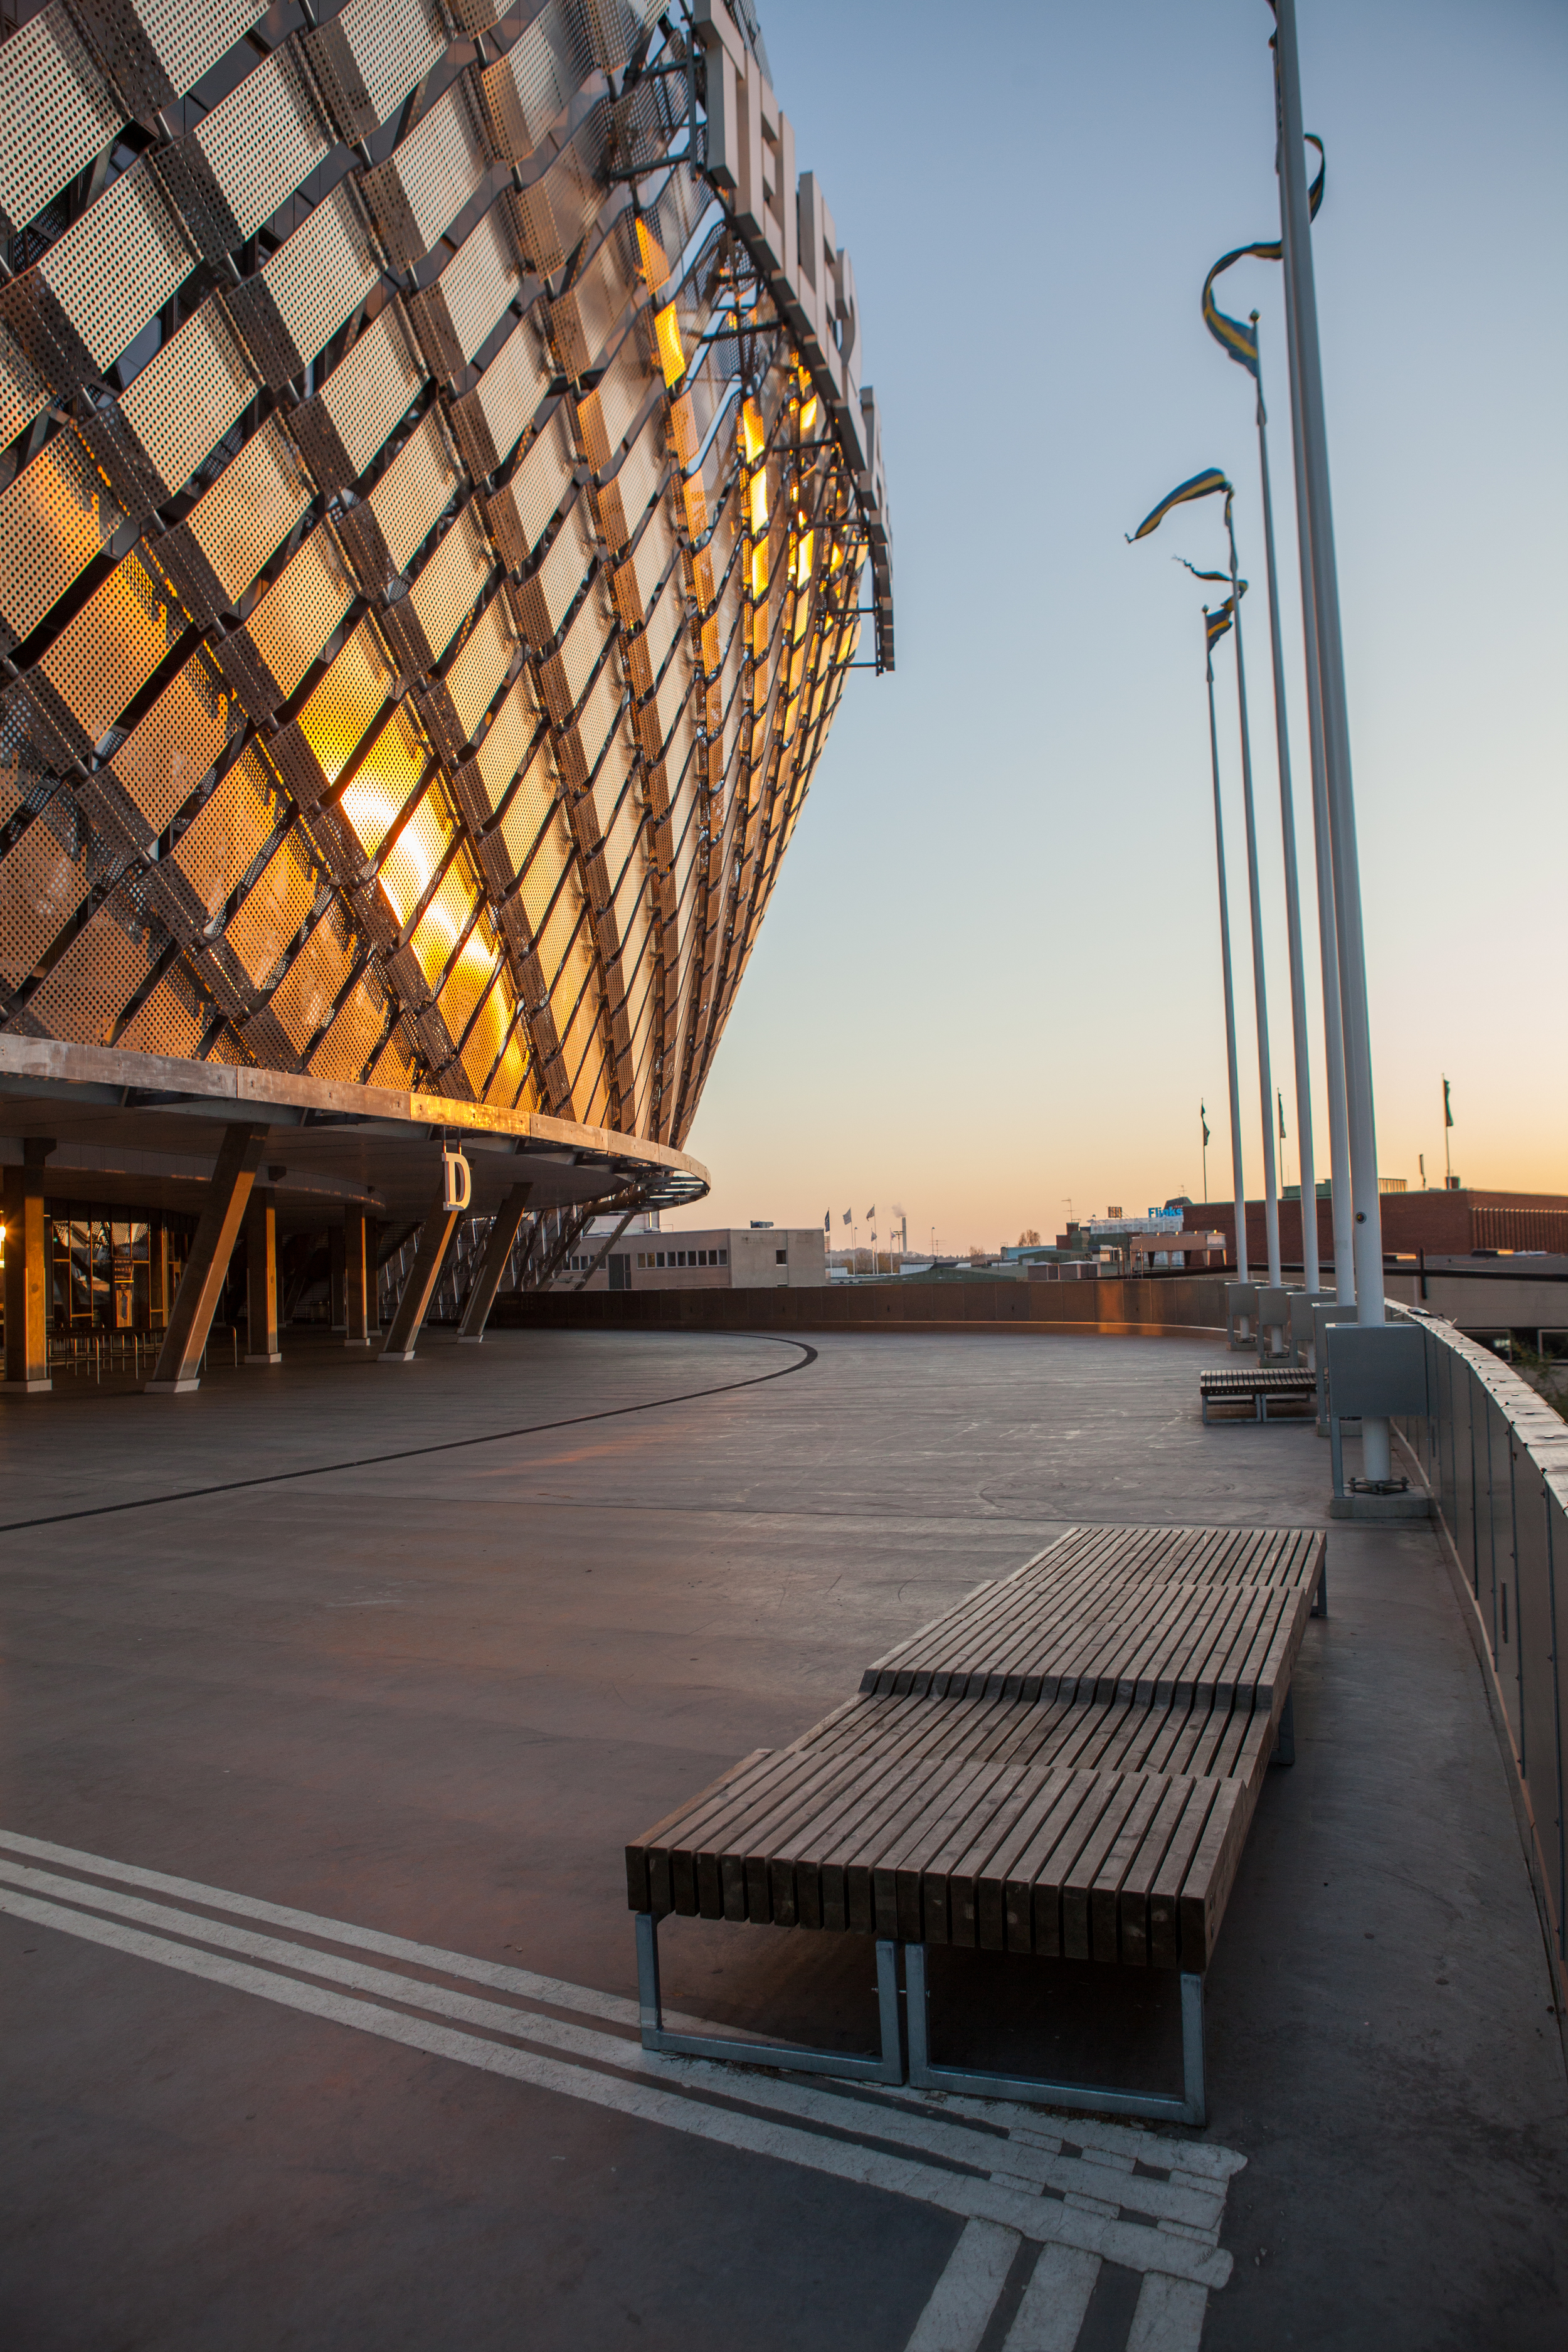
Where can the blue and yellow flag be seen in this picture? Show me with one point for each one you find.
(1239, 342)
(1216, 623)
(1202, 485)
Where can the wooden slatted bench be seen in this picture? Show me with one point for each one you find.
(1258, 1385)
(1064, 1765)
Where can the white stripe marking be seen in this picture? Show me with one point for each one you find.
(1055, 2302)
(1169, 2317)
(799, 2100)
(966, 2295)
(1120, 2241)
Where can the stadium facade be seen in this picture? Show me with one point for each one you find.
(440, 509)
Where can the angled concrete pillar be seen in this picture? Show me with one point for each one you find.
(434, 1239)
(200, 1285)
(372, 1277)
(261, 1278)
(358, 1278)
(337, 1263)
(27, 1273)
(498, 1251)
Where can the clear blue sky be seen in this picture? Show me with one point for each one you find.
(989, 978)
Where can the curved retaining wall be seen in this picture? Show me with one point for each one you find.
(1496, 1459)
(1189, 1305)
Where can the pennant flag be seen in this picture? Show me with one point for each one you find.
(869, 1214)
(1204, 1122)
(1222, 576)
(1280, 1100)
(1216, 623)
(1200, 486)
(847, 1216)
(1447, 1106)
(1237, 342)
(827, 1221)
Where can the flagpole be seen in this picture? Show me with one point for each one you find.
(1377, 1453)
(1259, 985)
(1306, 1168)
(1237, 1184)
(1342, 1223)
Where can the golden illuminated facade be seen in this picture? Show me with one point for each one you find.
(439, 508)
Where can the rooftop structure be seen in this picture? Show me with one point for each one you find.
(438, 505)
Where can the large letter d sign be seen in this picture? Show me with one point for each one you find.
(457, 1179)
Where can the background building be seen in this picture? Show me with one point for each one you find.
(731, 1257)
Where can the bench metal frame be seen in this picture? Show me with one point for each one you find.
(887, 2067)
(1088, 2099)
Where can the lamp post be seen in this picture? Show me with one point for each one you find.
(1310, 427)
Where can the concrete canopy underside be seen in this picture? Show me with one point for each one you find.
(132, 1129)
(427, 1694)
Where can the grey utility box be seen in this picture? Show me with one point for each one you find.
(1241, 1307)
(1373, 1369)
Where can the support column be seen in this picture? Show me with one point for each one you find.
(337, 1264)
(27, 1272)
(434, 1239)
(261, 1278)
(499, 1245)
(157, 1273)
(358, 1278)
(200, 1285)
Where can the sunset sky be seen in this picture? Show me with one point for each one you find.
(989, 980)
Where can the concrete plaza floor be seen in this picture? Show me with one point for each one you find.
(388, 1717)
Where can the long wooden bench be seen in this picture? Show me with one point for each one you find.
(1256, 1385)
(1064, 1765)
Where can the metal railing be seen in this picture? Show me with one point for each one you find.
(1495, 1456)
(89, 1354)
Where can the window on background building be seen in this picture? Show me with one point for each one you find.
(723, 1257)
(781, 1257)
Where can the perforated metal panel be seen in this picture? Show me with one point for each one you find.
(479, 282)
(43, 881)
(56, 112)
(170, 1020)
(321, 273)
(521, 512)
(434, 938)
(303, 1002)
(175, 744)
(546, 596)
(112, 646)
(606, 414)
(55, 518)
(482, 1046)
(451, 581)
(185, 35)
(530, 87)
(624, 499)
(480, 667)
(527, 814)
(341, 706)
(84, 995)
(384, 782)
(22, 389)
(118, 264)
(296, 617)
(430, 176)
(274, 907)
(491, 419)
(262, 140)
(372, 389)
(468, 977)
(416, 489)
(367, 59)
(222, 843)
(351, 1043)
(189, 394)
(506, 744)
(416, 856)
(252, 507)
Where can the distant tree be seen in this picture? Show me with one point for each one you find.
(1027, 1238)
(977, 1256)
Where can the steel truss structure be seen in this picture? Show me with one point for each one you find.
(437, 495)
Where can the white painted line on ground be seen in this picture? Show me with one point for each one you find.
(1179, 2258)
(1169, 2317)
(1055, 2301)
(966, 2295)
